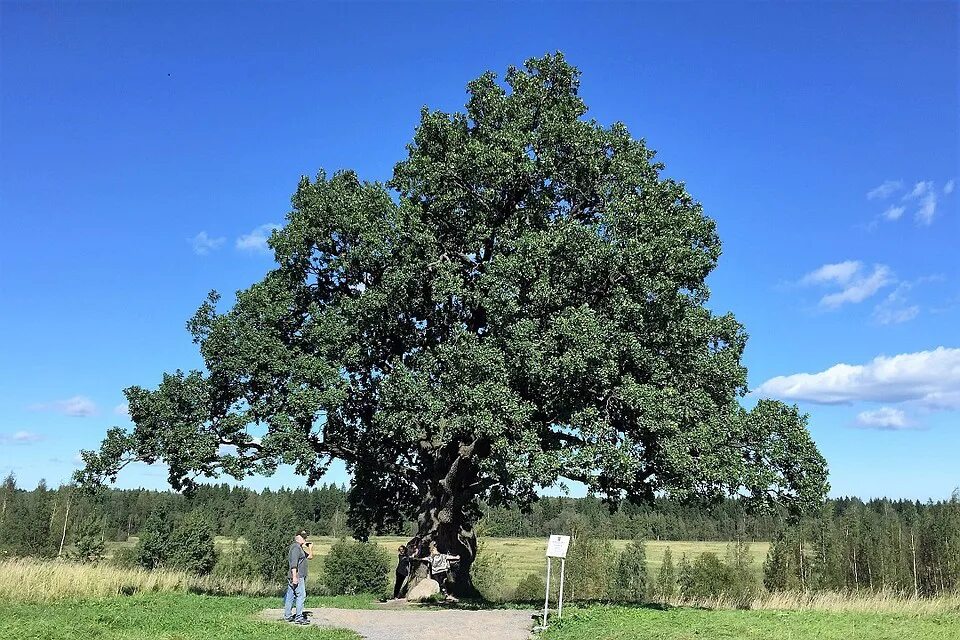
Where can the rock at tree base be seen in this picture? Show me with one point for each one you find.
(423, 590)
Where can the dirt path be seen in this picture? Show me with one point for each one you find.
(411, 623)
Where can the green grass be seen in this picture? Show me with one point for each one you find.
(626, 623)
(160, 617)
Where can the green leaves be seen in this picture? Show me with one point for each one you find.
(523, 301)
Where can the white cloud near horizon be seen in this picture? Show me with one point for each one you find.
(203, 244)
(885, 190)
(948, 188)
(885, 418)
(929, 380)
(77, 406)
(256, 240)
(856, 283)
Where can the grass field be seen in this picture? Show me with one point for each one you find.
(626, 623)
(527, 555)
(169, 616)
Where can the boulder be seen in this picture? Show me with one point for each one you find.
(423, 590)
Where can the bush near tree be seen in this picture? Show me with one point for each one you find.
(352, 567)
(629, 583)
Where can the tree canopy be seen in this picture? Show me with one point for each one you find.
(523, 302)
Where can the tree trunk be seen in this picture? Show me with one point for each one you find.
(445, 517)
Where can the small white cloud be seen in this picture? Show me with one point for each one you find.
(884, 418)
(855, 283)
(840, 273)
(77, 406)
(925, 196)
(122, 410)
(928, 379)
(21, 437)
(894, 212)
(256, 240)
(896, 308)
(203, 244)
(948, 188)
(885, 190)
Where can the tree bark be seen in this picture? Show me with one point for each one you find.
(445, 518)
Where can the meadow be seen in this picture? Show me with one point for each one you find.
(60, 600)
(522, 556)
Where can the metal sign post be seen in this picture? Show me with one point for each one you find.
(556, 548)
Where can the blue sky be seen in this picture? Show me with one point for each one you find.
(145, 149)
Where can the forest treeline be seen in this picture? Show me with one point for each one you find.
(851, 544)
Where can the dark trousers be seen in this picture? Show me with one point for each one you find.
(398, 584)
(441, 578)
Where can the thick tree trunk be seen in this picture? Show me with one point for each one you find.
(445, 518)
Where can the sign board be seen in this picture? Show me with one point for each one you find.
(557, 546)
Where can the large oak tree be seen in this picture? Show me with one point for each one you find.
(524, 302)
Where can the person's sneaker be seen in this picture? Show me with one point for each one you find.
(289, 618)
(300, 621)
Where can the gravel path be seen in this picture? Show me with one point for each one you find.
(412, 623)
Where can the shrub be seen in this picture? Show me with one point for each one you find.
(236, 563)
(667, 578)
(89, 546)
(488, 573)
(154, 542)
(709, 578)
(530, 588)
(355, 567)
(590, 562)
(629, 583)
(269, 536)
(126, 558)
(190, 547)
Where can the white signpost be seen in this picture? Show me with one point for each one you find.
(556, 548)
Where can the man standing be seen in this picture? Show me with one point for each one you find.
(298, 555)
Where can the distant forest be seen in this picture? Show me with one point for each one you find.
(41, 514)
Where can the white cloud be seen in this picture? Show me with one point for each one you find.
(855, 282)
(840, 273)
(885, 190)
(21, 437)
(896, 307)
(884, 418)
(928, 379)
(894, 212)
(203, 244)
(256, 240)
(122, 410)
(925, 196)
(948, 188)
(77, 406)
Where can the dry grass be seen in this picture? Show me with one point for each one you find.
(31, 580)
(837, 602)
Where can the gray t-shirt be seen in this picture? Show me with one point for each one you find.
(298, 561)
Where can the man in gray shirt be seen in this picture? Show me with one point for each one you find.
(297, 557)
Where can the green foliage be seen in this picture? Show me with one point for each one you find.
(190, 547)
(126, 557)
(89, 545)
(489, 573)
(153, 547)
(531, 588)
(236, 561)
(629, 580)
(779, 572)
(269, 535)
(666, 586)
(525, 297)
(352, 567)
(709, 577)
(590, 563)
